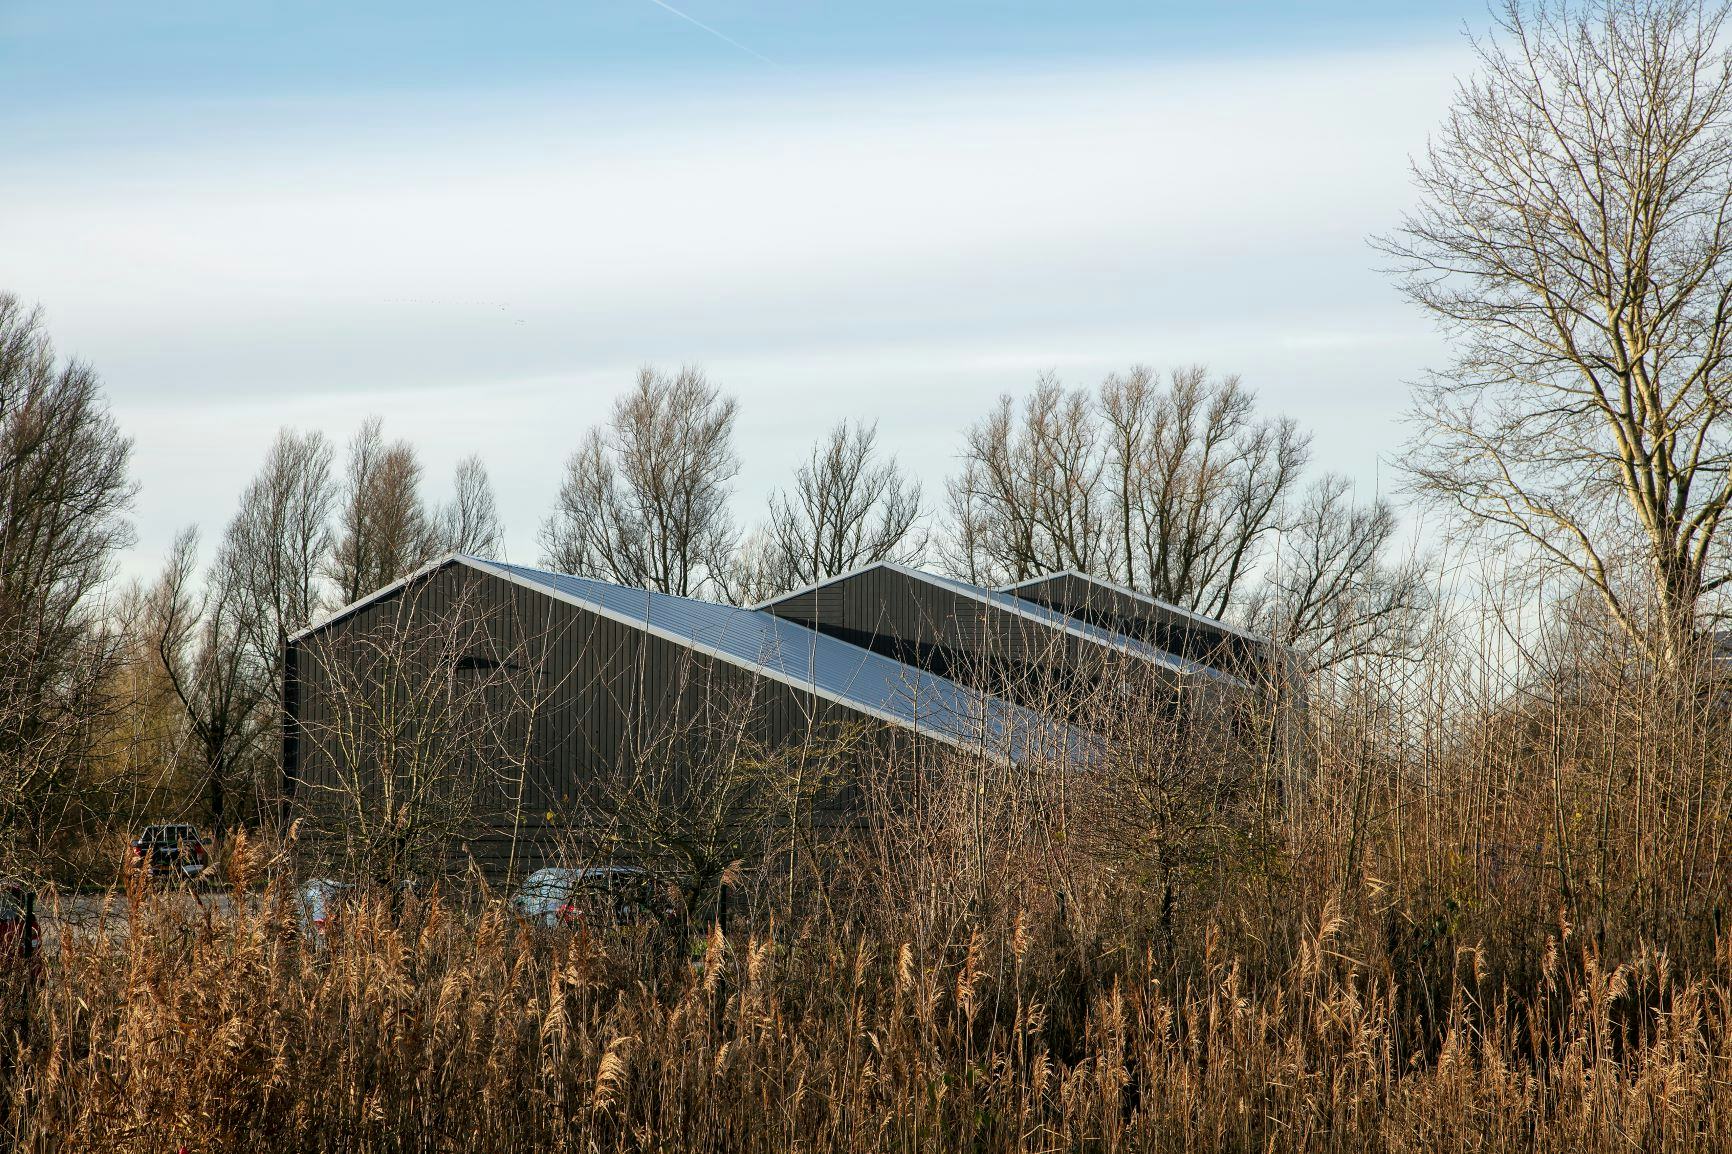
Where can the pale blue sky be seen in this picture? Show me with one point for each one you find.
(81, 51)
(476, 220)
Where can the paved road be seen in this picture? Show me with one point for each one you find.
(62, 914)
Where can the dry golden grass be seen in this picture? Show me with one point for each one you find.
(1485, 913)
(436, 1030)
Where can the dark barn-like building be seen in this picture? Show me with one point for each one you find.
(1205, 640)
(566, 678)
(526, 687)
(992, 640)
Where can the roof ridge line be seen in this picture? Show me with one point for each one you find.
(913, 724)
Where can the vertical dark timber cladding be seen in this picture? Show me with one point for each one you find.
(1136, 615)
(291, 723)
(593, 678)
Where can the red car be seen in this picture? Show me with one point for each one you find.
(20, 935)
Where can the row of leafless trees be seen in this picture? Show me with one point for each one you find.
(1573, 233)
(647, 501)
(1173, 486)
(179, 684)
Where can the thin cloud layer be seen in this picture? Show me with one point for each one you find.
(891, 249)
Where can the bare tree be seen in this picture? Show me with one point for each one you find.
(1173, 490)
(144, 762)
(470, 523)
(1029, 498)
(275, 546)
(1174, 802)
(1197, 481)
(385, 530)
(1330, 594)
(850, 506)
(64, 493)
(756, 572)
(695, 793)
(219, 679)
(1573, 237)
(645, 500)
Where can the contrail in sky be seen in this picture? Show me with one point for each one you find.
(726, 39)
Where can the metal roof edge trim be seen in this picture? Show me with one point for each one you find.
(1115, 587)
(1176, 663)
(759, 668)
(380, 593)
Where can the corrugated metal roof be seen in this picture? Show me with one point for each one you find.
(1034, 611)
(1076, 625)
(1154, 602)
(796, 655)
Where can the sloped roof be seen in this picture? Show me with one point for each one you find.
(788, 652)
(1155, 603)
(1021, 607)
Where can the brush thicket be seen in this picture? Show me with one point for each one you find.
(1481, 912)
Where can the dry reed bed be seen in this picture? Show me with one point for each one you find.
(433, 1030)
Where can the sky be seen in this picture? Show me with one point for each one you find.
(478, 220)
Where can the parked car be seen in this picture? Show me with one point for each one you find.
(20, 935)
(595, 896)
(320, 899)
(170, 850)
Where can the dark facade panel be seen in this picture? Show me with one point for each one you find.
(573, 692)
(1191, 635)
(991, 641)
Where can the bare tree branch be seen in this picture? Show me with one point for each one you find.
(385, 530)
(645, 499)
(850, 506)
(470, 523)
(1573, 238)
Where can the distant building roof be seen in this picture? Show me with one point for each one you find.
(1119, 609)
(787, 652)
(1155, 603)
(1008, 602)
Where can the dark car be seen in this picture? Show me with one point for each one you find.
(20, 935)
(596, 896)
(170, 849)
